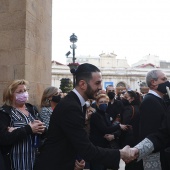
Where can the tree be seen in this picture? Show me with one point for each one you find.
(66, 85)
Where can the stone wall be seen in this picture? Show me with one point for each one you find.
(25, 46)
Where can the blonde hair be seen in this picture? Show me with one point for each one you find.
(101, 96)
(48, 92)
(9, 90)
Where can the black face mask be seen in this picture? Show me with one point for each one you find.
(162, 87)
(56, 99)
(111, 95)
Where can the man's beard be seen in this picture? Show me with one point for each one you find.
(89, 92)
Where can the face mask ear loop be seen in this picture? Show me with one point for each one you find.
(168, 91)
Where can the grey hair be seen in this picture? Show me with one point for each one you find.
(152, 75)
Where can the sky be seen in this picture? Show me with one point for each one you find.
(131, 29)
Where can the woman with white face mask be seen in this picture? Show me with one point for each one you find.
(19, 127)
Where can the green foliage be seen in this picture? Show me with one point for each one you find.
(66, 85)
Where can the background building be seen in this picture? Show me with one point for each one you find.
(104, 60)
(148, 59)
(114, 71)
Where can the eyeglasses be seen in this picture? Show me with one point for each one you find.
(101, 102)
(21, 91)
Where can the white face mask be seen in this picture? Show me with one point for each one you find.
(87, 104)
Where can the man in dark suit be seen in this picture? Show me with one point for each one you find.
(153, 111)
(2, 165)
(115, 107)
(155, 142)
(67, 139)
(114, 112)
(154, 116)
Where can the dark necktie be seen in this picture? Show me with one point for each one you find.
(84, 110)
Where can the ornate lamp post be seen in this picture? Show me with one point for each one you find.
(73, 39)
(73, 66)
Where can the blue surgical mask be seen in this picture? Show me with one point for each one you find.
(103, 107)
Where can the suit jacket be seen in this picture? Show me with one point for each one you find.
(152, 113)
(2, 164)
(67, 140)
(161, 139)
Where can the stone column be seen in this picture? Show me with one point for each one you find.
(25, 44)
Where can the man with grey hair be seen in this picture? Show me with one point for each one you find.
(153, 112)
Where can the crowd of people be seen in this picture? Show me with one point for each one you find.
(88, 128)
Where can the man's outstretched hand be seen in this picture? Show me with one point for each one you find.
(128, 154)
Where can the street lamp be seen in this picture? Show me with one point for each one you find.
(73, 66)
(73, 39)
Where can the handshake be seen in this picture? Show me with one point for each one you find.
(128, 154)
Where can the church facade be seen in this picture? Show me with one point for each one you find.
(116, 72)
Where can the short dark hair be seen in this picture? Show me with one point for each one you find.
(135, 95)
(132, 93)
(84, 72)
(110, 85)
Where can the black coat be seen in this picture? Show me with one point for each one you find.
(161, 138)
(152, 113)
(7, 139)
(130, 117)
(68, 139)
(2, 163)
(114, 109)
(99, 126)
